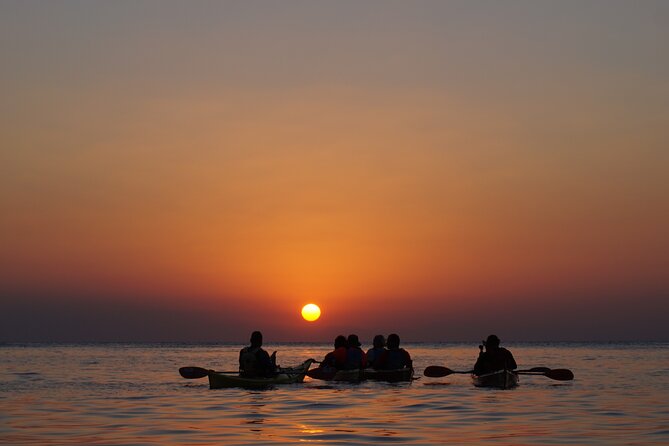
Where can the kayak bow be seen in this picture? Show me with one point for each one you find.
(501, 379)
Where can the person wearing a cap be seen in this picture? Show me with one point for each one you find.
(395, 357)
(355, 357)
(494, 358)
(254, 362)
(374, 353)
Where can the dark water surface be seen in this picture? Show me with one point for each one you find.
(132, 394)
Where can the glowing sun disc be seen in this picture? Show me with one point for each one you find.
(311, 312)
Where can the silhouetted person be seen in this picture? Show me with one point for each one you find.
(494, 358)
(355, 357)
(337, 357)
(254, 362)
(374, 353)
(395, 357)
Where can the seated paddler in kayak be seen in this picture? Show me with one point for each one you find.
(336, 359)
(395, 357)
(355, 357)
(494, 358)
(374, 353)
(254, 362)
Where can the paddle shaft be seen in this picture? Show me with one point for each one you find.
(535, 369)
(197, 372)
(556, 374)
(437, 371)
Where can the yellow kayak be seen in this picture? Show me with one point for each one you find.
(285, 375)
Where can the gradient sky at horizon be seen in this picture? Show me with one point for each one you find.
(197, 170)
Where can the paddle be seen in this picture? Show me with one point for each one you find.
(196, 372)
(193, 372)
(437, 371)
(556, 374)
(535, 369)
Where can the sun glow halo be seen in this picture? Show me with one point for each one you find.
(311, 312)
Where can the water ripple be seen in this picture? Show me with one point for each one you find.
(44, 399)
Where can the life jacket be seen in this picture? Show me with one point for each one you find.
(494, 360)
(374, 354)
(355, 358)
(248, 362)
(336, 358)
(394, 359)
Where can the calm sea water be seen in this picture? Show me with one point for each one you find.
(133, 394)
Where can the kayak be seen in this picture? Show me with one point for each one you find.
(355, 375)
(392, 376)
(286, 375)
(332, 374)
(501, 379)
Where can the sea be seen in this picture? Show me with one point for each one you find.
(132, 394)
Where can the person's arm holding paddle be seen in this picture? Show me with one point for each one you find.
(480, 367)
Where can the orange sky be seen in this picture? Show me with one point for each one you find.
(418, 162)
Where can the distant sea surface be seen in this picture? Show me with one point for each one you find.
(115, 394)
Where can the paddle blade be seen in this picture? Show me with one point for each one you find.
(560, 374)
(193, 372)
(540, 369)
(437, 371)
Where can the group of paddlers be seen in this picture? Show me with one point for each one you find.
(384, 355)
(347, 354)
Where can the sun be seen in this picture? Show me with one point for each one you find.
(311, 312)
